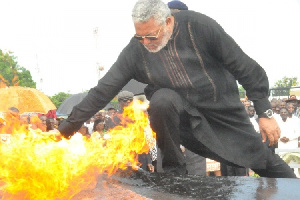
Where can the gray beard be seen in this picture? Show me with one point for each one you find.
(164, 42)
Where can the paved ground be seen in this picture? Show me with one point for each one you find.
(140, 185)
(170, 187)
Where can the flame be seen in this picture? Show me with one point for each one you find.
(35, 166)
(3, 82)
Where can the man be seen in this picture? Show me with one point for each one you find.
(289, 135)
(294, 119)
(125, 98)
(282, 104)
(293, 99)
(176, 6)
(247, 103)
(251, 113)
(191, 66)
(50, 124)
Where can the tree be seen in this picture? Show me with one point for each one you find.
(282, 87)
(59, 98)
(287, 82)
(242, 92)
(12, 74)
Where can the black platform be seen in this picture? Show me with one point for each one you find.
(165, 186)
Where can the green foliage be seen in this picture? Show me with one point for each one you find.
(282, 87)
(25, 78)
(114, 102)
(59, 98)
(287, 82)
(13, 73)
(242, 92)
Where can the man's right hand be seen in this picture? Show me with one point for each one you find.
(269, 128)
(55, 135)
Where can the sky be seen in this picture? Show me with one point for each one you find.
(63, 43)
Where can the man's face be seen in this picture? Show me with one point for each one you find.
(161, 34)
(282, 104)
(50, 124)
(283, 114)
(125, 102)
(247, 103)
(100, 126)
(291, 108)
(98, 115)
(43, 119)
(251, 111)
(111, 112)
(273, 105)
(295, 103)
(277, 110)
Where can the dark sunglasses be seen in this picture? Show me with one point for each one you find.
(125, 100)
(149, 37)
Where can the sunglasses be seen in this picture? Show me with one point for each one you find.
(149, 37)
(126, 100)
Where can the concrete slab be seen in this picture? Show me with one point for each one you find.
(166, 186)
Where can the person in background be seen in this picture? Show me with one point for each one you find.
(12, 116)
(176, 6)
(191, 66)
(84, 131)
(50, 124)
(247, 103)
(100, 127)
(98, 115)
(273, 105)
(293, 99)
(111, 111)
(14, 112)
(289, 135)
(291, 115)
(277, 109)
(282, 104)
(251, 113)
(90, 124)
(125, 98)
(40, 123)
(43, 119)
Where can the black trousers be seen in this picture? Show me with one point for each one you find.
(171, 124)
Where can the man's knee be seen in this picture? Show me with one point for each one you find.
(165, 99)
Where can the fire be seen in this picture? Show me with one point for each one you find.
(35, 166)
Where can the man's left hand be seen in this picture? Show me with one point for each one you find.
(269, 128)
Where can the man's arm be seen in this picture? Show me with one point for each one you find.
(269, 128)
(99, 96)
(248, 73)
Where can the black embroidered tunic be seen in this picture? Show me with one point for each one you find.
(202, 63)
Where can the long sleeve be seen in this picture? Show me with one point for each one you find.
(99, 96)
(247, 71)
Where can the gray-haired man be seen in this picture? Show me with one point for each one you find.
(191, 66)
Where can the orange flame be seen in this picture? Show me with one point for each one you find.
(3, 82)
(34, 166)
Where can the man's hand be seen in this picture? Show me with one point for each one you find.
(150, 167)
(55, 135)
(269, 128)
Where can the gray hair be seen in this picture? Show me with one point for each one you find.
(146, 9)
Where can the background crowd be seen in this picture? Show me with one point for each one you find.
(286, 111)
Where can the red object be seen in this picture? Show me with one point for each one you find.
(50, 114)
